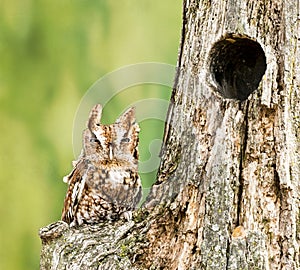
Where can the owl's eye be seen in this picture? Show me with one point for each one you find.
(125, 140)
(94, 140)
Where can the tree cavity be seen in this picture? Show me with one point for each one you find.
(237, 65)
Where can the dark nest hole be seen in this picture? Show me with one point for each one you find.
(237, 65)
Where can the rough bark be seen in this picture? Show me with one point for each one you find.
(226, 195)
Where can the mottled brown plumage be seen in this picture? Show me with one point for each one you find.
(104, 183)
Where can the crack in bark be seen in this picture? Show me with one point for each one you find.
(242, 156)
(227, 254)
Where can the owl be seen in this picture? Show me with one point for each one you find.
(104, 183)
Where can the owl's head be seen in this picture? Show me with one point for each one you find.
(117, 142)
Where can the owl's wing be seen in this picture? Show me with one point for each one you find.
(76, 182)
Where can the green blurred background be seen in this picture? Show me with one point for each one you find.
(51, 52)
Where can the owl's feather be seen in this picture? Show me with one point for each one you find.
(104, 183)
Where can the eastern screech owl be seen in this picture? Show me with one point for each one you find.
(104, 183)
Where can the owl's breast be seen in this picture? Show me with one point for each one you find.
(115, 184)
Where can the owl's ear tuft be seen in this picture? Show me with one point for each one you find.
(95, 117)
(127, 118)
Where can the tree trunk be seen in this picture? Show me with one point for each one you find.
(226, 195)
